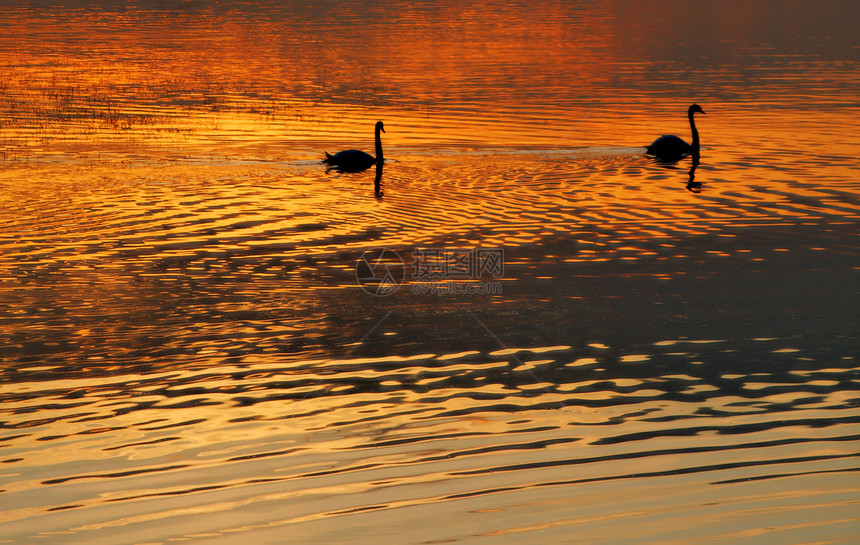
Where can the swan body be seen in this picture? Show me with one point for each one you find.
(670, 147)
(353, 160)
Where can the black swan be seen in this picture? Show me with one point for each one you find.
(353, 160)
(671, 148)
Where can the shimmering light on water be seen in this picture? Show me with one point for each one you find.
(187, 353)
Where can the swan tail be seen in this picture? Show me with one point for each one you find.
(328, 157)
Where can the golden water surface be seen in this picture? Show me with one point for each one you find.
(190, 353)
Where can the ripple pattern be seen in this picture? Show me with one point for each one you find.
(669, 354)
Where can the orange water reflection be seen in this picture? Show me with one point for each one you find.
(186, 348)
(442, 76)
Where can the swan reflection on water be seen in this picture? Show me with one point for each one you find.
(692, 184)
(377, 181)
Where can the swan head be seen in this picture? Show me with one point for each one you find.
(379, 126)
(695, 109)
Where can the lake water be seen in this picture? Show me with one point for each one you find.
(195, 348)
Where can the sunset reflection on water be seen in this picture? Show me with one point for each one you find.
(187, 353)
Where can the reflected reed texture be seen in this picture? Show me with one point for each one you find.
(187, 354)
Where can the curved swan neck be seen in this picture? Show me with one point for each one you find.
(693, 128)
(378, 145)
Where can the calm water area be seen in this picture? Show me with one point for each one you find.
(521, 330)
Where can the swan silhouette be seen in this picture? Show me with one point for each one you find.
(670, 147)
(353, 160)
